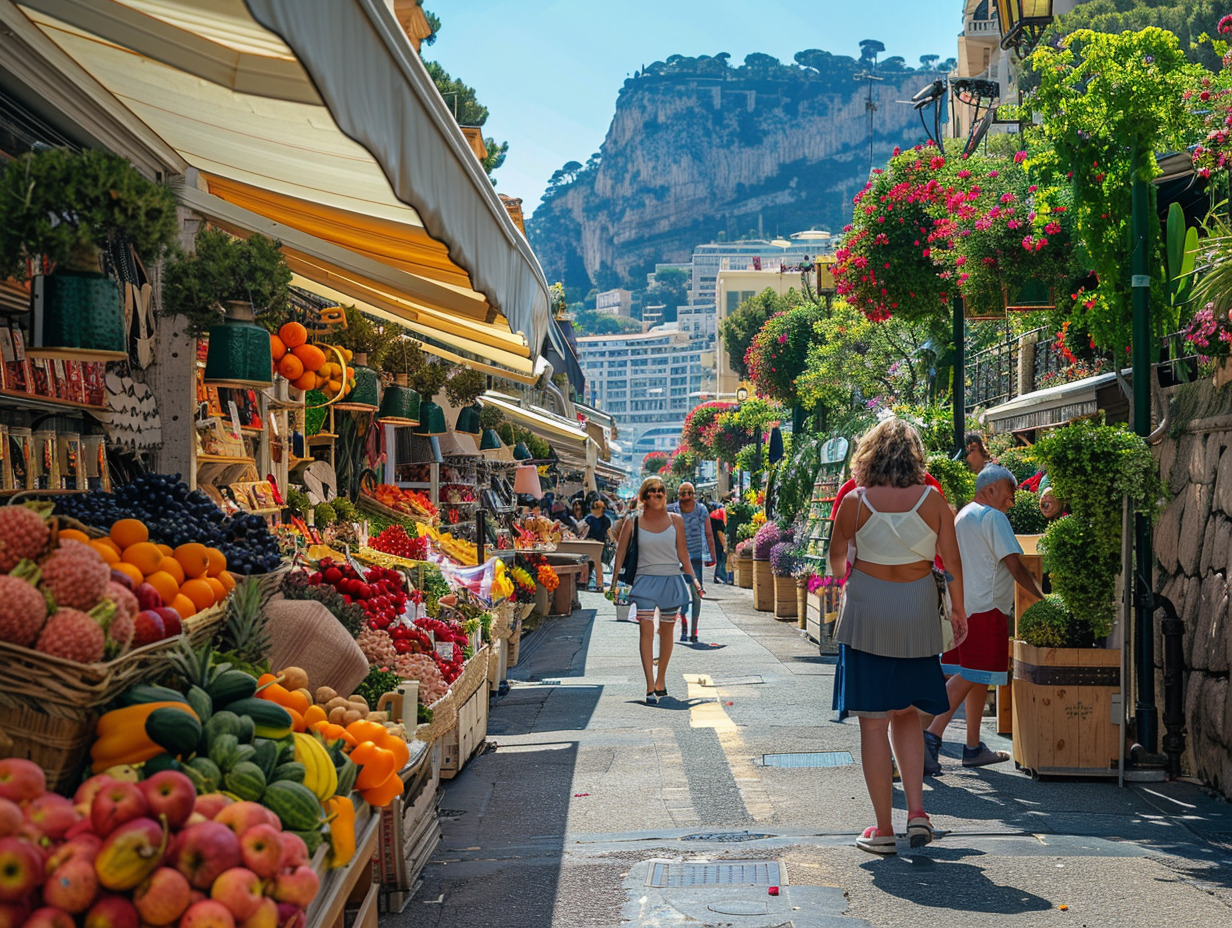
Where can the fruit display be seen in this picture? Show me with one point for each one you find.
(63, 599)
(308, 366)
(537, 532)
(150, 852)
(451, 668)
(379, 591)
(395, 540)
(424, 668)
(350, 615)
(411, 502)
(458, 550)
(174, 516)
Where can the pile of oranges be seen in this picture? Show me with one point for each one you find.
(308, 366)
(190, 578)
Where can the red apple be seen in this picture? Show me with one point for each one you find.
(89, 789)
(80, 847)
(291, 916)
(162, 898)
(50, 917)
(53, 815)
(130, 854)
(173, 624)
(118, 576)
(207, 914)
(203, 852)
(239, 889)
(148, 627)
(294, 850)
(148, 597)
(112, 912)
(211, 804)
(172, 794)
(261, 847)
(10, 818)
(14, 914)
(72, 887)
(21, 869)
(298, 886)
(241, 816)
(266, 915)
(21, 779)
(116, 804)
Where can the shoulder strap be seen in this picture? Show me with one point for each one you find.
(923, 496)
(863, 498)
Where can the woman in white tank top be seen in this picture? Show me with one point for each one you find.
(888, 630)
(663, 568)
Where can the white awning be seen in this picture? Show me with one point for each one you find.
(1048, 407)
(242, 106)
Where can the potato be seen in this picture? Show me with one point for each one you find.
(337, 715)
(338, 702)
(351, 715)
(381, 717)
(358, 701)
(294, 678)
(325, 694)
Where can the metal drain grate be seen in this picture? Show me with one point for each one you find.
(726, 836)
(808, 759)
(666, 875)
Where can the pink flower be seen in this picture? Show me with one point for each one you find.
(993, 173)
(1020, 157)
(1052, 228)
(960, 261)
(782, 339)
(937, 163)
(964, 174)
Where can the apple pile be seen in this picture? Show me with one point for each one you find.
(451, 668)
(122, 855)
(380, 590)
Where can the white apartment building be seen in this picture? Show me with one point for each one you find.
(615, 303)
(732, 288)
(646, 381)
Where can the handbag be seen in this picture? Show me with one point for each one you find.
(944, 607)
(628, 570)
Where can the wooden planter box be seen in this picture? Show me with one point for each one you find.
(801, 604)
(1063, 699)
(814, 624)
(785, 598)
(744, 573)
(763, 586)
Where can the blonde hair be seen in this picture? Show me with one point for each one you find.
(889, 455)
(650, 483)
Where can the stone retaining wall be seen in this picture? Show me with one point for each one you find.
(1193, 548)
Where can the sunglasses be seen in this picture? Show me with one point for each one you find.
(685, 495)
(656, 490)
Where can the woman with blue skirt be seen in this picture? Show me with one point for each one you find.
(888, 629)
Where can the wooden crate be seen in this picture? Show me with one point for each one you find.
(763, 587)
(461, 742)
(744, 573)
(515, 642)
(1063, 702)
(785, 598)
(498, 663)
(813, 623)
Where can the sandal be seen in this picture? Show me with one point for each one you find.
(875, 843)
(651, 699)
(919, 830)
(660, 693)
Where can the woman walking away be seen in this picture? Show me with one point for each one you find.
(888, 629)
(661, 567)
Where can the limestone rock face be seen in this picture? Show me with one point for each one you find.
(1223, 483)
(1167, 534)
(690, 155)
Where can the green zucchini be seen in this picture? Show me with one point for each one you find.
(230, 686)
(174, 731)
(292, 770)
(146, 692)
(270, 720)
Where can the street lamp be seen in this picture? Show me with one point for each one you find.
(1022, 22)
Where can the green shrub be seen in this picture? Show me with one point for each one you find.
(1021, 462)
(1025, 516)
(1045, 624)
(957, 481)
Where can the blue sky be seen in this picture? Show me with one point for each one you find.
(549, 71)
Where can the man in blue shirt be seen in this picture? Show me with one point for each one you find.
(699, 537)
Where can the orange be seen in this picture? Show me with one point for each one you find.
(108, 551)
(167, 550)
(184, 606)
(321, 380)
(71, 534)
(291, 367)
(144, 556)
(305, 381)
(227, 580)
(218, 562)
(199, 592)
(312, 356)
(107, 543)
(166, 585)
(220, 591)
(127, 532)
(131, 572)
(194, 558)
(277, 348)
(293, 335)
(171, 566)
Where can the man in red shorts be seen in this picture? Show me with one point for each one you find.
(992, 563)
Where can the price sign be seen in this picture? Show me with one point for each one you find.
(235, 418)
(444, 650)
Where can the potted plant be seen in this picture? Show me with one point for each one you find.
(763, 577)
(366, 340)
(783, 565)
(464, 387)
(61, 209)
(401, 404)
(426, 377)
(220, 288)
(1094, 467)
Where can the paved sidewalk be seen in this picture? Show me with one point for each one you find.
(587, 798)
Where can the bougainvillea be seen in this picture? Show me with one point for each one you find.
(778, 353)
(654, 462)
(700, 425)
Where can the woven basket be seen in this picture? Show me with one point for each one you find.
(202, 627)
(60, 744)
(444, 717)
(473, 674)
(48, 681)
(515, 642)
(370, 503)
(271, 581)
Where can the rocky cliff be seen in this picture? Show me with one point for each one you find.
(697, 150)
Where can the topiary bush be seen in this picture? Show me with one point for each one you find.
(1048, 624)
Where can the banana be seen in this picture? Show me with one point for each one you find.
(319, 773)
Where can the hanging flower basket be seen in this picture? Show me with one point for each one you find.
(1029, 296)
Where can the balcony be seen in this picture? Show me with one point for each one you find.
(974, 28)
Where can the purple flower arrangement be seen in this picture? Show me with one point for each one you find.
(766, 538)
(783, 559)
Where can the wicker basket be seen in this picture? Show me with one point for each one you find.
(763, 586)
(473, 674)
(444, 717)
(515, 641)
(502, 620)
(370, 503)
(59, 743)
(271, 581)
(202, 627)
(44, 680)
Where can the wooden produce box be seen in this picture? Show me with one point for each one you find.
(498, 663)
(515, 642)
(462, 741)
(410, 831)
(1063, 703)
(1034, 563)
(349, 893)
(763, 587)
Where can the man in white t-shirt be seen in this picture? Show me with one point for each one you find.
(992, 563)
